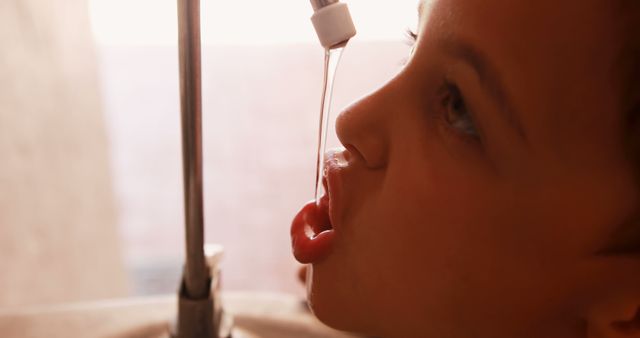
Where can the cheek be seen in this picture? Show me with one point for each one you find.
(467, 251)
(450, 236)
(413, 236)
(437, 221)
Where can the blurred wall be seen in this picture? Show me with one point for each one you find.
(260, 124)
(58, 239)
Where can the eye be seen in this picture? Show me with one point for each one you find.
(455, 112)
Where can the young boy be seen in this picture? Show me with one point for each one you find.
(491, 188)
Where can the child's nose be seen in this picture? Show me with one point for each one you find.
(361, 129)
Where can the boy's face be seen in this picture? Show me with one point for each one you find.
(484, 179)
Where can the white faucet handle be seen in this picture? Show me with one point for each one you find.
(333, 23)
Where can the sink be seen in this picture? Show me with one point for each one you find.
(255, 315)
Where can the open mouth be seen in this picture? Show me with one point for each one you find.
(322, 221)
(312, 230)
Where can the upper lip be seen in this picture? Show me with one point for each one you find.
(335, 164)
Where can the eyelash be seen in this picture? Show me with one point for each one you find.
(411, 37)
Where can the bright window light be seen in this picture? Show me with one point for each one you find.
(241, 22)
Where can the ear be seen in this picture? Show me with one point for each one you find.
(615, 319)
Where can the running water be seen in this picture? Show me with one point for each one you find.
(331, 60)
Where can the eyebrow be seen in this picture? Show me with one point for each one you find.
(489, 78)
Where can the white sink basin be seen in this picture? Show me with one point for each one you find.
(255, 316)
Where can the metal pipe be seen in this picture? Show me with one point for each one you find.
(196, 274)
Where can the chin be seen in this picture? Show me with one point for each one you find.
(332, 303)
(327, 314)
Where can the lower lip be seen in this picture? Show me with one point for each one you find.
(312, 234)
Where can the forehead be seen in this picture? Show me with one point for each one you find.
(557, 58)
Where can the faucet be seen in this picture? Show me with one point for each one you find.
(200, 314)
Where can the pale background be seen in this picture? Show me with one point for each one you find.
(58, 241)
(91, 197)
